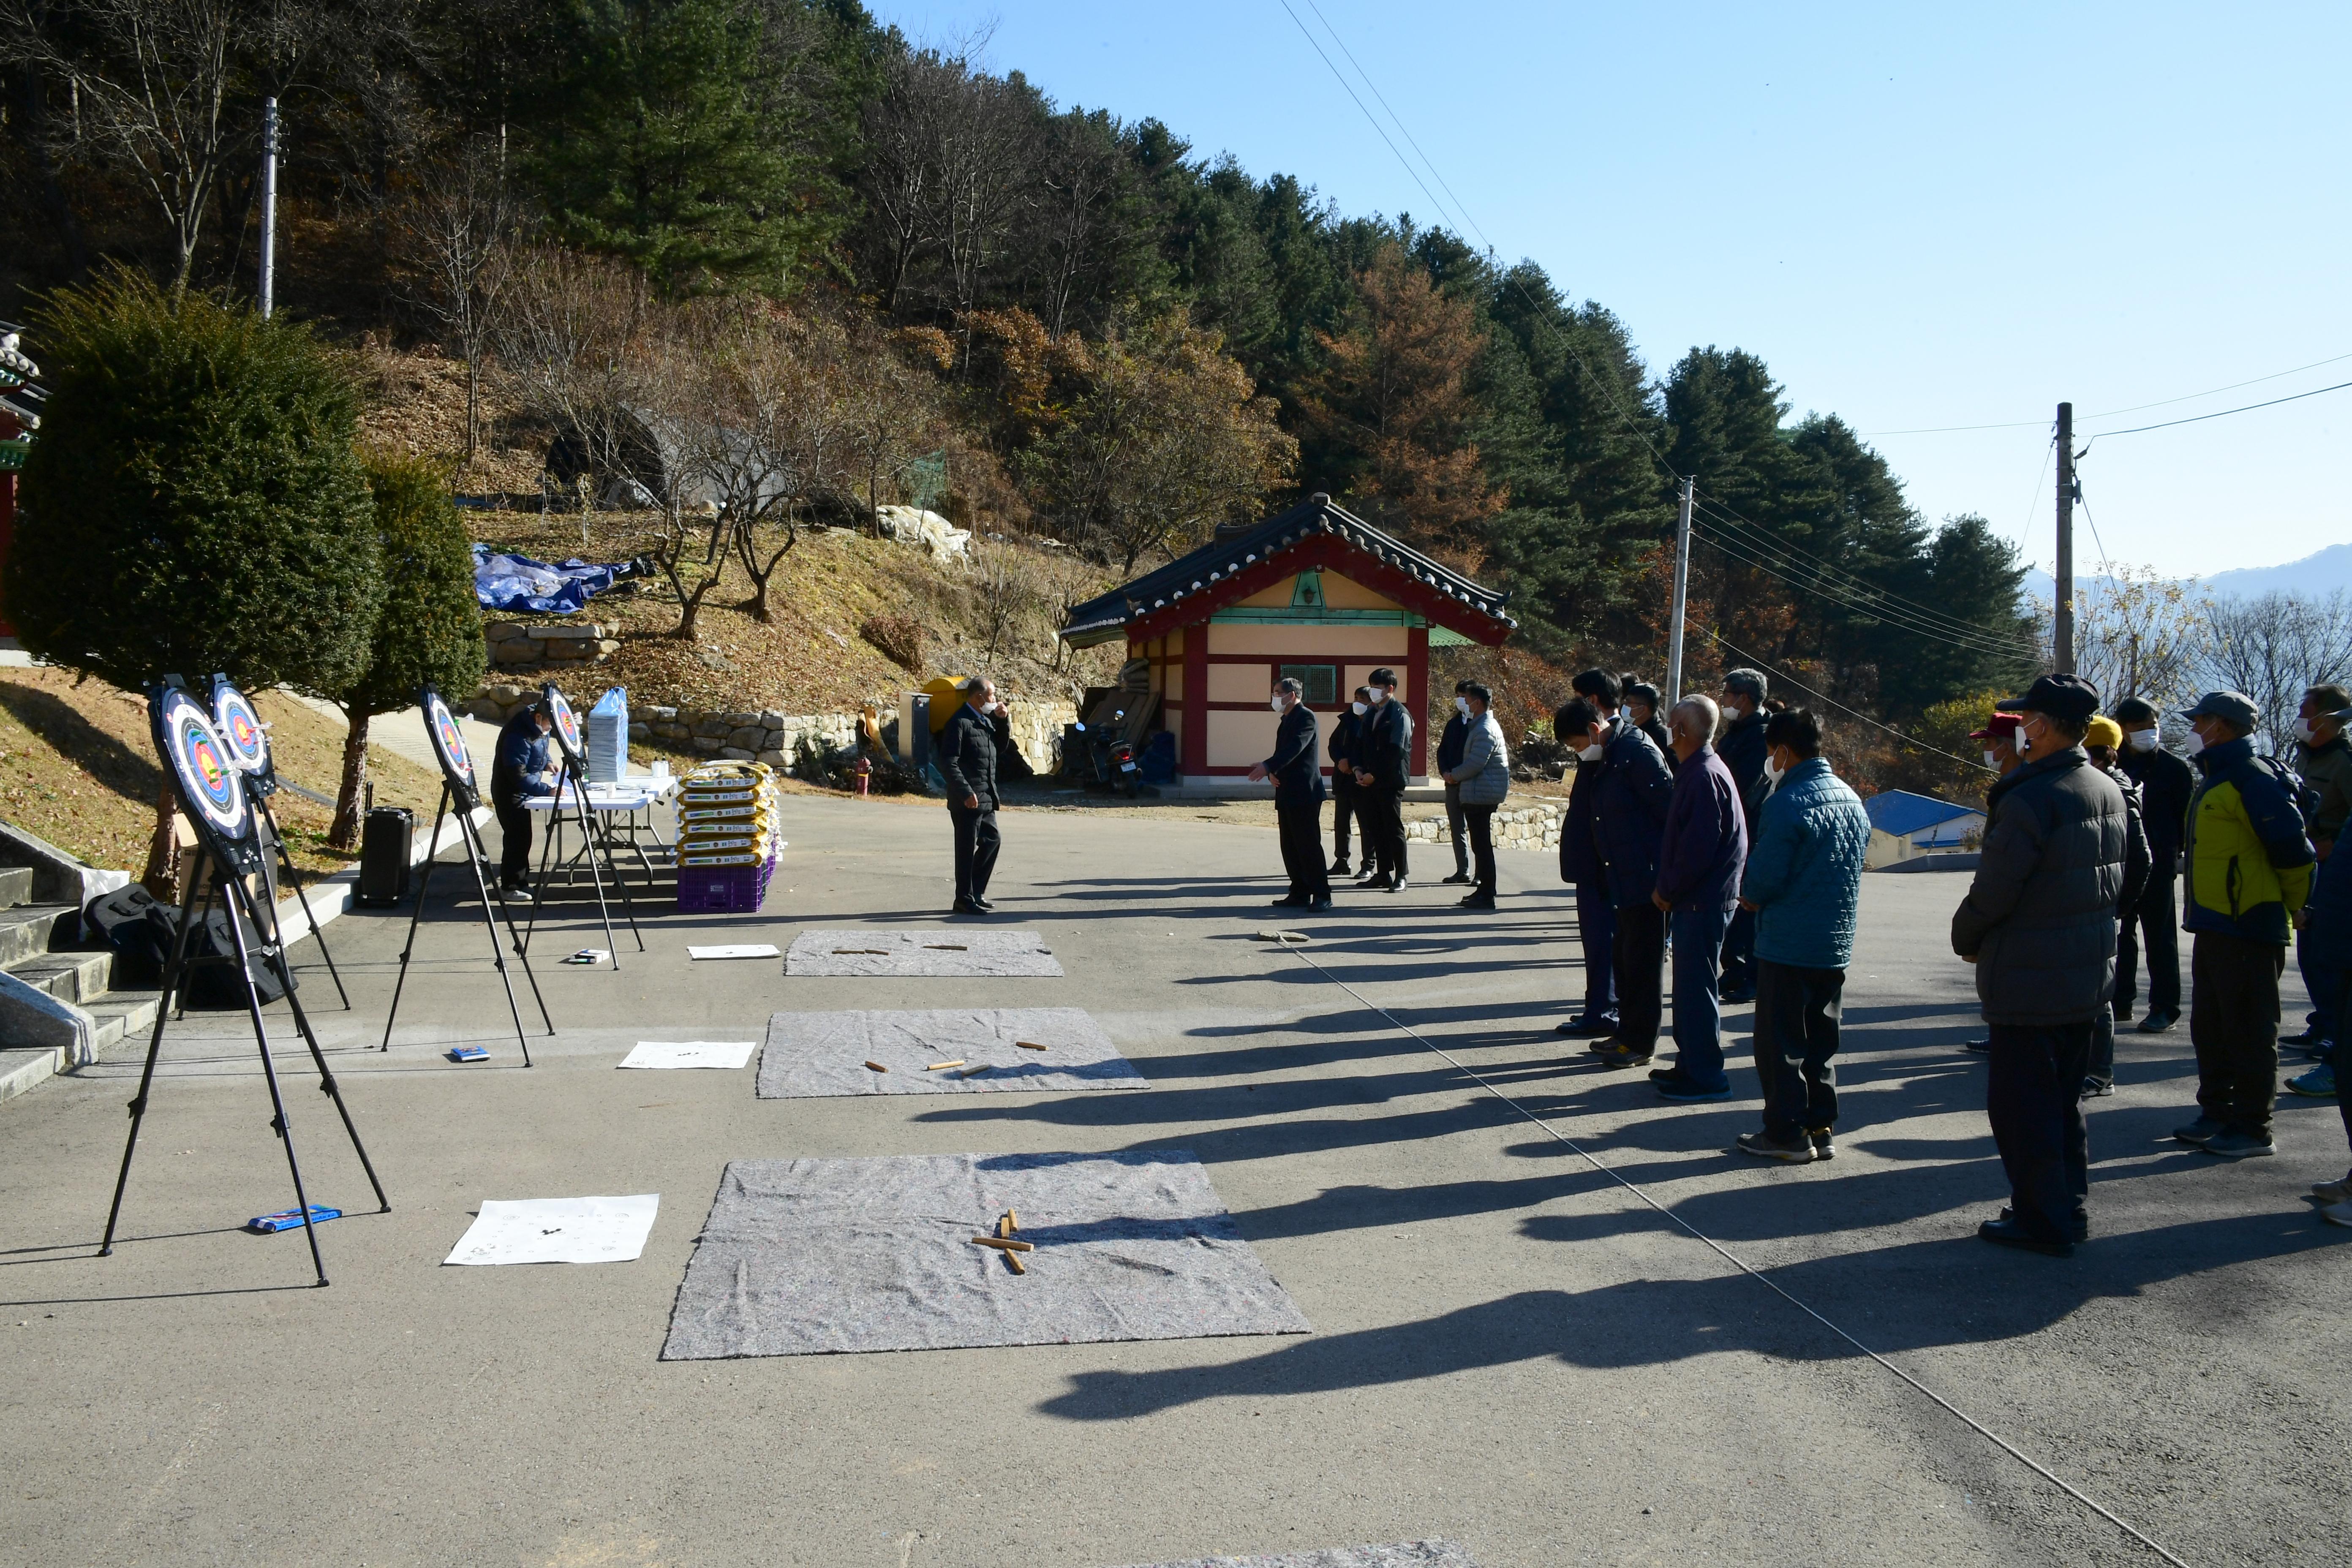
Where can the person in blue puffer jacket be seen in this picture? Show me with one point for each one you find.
(1803, 881)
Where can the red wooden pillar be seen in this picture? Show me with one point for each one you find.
(1196, 700)
(1416, 692)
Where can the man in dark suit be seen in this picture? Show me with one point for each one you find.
(1297, 775)
(1580, 853)
(1344, 726)
(1742, 750)
(1450, 742)
(1383, 768)
(2166, 783)
(1629, 819)
(968, 763)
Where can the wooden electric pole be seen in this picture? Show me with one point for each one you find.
(1673, 692)
(2061, 629)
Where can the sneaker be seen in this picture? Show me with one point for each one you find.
(1585, 1026)
(1624, 1053)
(1982, 1047)
(1825, 1148)
(2317, 1051)
(2010, 1233)
(1682, 1091)
(2319, 1083)
(2304, 1037)
(1666, 1075)
(2334, 1192)
(2337, 1214)
(2241, 1145)
(2201, 1131)
(1459, 879)
(2094, 1090)
(1795, 1151)
(2157, 1021)
(516, 893)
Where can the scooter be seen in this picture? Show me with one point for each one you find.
(1110, 763)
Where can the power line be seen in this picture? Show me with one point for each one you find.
(2196, 418)
(1459, 207)
(1777, 675)
(2111, 413)
(1983, 643)
(1375, 124)
(1838, 582)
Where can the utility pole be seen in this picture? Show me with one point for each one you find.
(1673, 693)
(268, 203)
(2062, 628)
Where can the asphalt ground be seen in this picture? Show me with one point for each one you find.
(1510, 1348)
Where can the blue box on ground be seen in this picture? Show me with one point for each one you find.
(290, 1219)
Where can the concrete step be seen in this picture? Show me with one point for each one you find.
(121, 1021)
(15, 885)
(31, 930)
(68, 977)
(123, 1017)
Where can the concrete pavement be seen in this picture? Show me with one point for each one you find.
(1510, 1350)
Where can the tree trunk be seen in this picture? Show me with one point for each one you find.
(344, 835)
(473, 401)
(162, 877)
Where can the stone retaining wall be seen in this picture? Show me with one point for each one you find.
(1515, 826)
(513, 644)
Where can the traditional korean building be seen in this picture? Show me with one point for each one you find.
(1314, 591)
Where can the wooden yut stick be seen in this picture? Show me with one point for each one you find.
(1002, 1244)
(1014, 1259)
(1012, 1221)
(973, 1072)
(1029, 1045)
(877, 1067)
(936, 1066)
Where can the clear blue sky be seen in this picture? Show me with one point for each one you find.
(1918, 215)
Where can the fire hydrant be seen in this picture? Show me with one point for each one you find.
(865, 772)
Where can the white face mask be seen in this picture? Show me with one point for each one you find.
(1992, 760)
(1773, 770)
(2194, 743)
(2144, 740)
(1379, 695)
(1360, 708)
(1276, 703)
(2302, 731)
(1591, 753)
(1461, 706)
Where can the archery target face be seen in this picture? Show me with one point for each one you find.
(240, 726)
(210, 781)
(448, 740)
(567, 724)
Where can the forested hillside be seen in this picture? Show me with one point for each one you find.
(886, 260)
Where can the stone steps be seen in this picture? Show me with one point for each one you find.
(15, 885)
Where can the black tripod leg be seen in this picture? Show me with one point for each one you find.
(147, 1075)
(595, 876)
(498, 954)
(178, 1003)
(546, 857)
(274, 950)
(432, 847)
(620, 882)
(278, 1122)
(294, 881)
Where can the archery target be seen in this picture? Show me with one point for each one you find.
(567, 724)
(240, 726)
(448, 740)
(209, 780)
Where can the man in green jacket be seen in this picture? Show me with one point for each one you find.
(2249, 875)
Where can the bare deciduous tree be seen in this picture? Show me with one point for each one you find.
(2275, 648)
(460, 232)
(2137, 634)
(571, 332)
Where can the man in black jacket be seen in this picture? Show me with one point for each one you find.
(1383, 767)
(967, 749)
(1580, 854)
(2103, 741)
(2166, 782)
(1449, 757)
(1297, 775)
(1743, 750)
(1629, 819)
(520, 769)
(1344, 728)
(2038, 923)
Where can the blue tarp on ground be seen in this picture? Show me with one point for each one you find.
(519, 583)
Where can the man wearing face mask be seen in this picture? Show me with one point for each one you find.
(967, 765)
(1629, 819)
(1580, 866)
(2002, 755)
(1743, 750)
(2325, 761)
(1383, 768)
(1642, 712)
(2153, 924)
(1449, 757)
(1344, 731)
(2103, 738)
(1297, 798)
(1482, 777)
(2249, 877)
(2038, 923)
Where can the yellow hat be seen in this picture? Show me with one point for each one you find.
(2104, 732)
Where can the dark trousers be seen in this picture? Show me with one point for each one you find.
(1641, 955)
(1343, 809)
(2159, 916)
(976, 843)
(2323, 980)
(514, 841)
(1596, 932)
(1457, 828)
(1380, 812)
(2233, 1024)
(2033, 1096)
(1480, 820)
(1739, 953)
(1302, 848)
(2341, 1059)
(1698, 997)
(1796, 1016)
(2102, 1071)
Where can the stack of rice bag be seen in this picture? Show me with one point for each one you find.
(729, 814)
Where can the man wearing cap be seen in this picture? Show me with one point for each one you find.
(1743, 750)
(1585, 725)
(2101, 741)
(2325, 761)
(1629, 819)
(2000, 755)
(2153, 925)
(2249, 877)
(2038, 923)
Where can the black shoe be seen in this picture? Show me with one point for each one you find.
(2159, 1020)
(1478, 902)
(2201, 1131)
(1395, 885)
(966, 906)
(1666, 1075)
(2094, 1090)
(1982, 1047)
(1797, 1151)
(1738, 994)
(1624, 1053)
(1585, 1026)
(1339, 868)
(1682, 1091)
(1293, 901)
(982, 905)
(2078, 1224)
(2307, 1038)
(1458, 877)
(2010, 1233)
(1321, 906)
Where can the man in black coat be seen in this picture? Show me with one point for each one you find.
(1297, 775)
(1383, 767)
(2166, 782)
(967, 752)
(520, 768)
(1743, 750)
(1450, 741)
(1344, 729)
(2102, 741)
(2038, 923)
(1580, 854)
(1629, 819)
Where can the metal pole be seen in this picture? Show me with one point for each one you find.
(269, 203)
(1673, 692)
(2061, 626)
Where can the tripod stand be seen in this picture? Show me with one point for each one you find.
(272, 951)
(294, 881)
(471, 837)
(593, 842)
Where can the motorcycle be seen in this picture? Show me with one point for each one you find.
(1110, 763)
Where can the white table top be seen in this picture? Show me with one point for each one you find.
(634, 793)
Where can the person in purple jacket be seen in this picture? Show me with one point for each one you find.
(1699, 861)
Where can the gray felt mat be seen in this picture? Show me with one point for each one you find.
(805, 1256)
(813, 1054)
(947, 951)
(1403, 1554)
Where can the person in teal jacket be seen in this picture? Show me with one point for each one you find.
(1803, 881)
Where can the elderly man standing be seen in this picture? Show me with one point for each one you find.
(1803, 882)
(1581, 867)
(2166, 783)
(2103, 741)
(1481, 781)
(967, 765)
(1742, 748)
(1699, 857)
(2039, 922)
(1297, 775)
(2249, 877)
(1629, 818)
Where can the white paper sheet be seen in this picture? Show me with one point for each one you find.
(738, 950)
(558, 1230)
(690, 1053)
